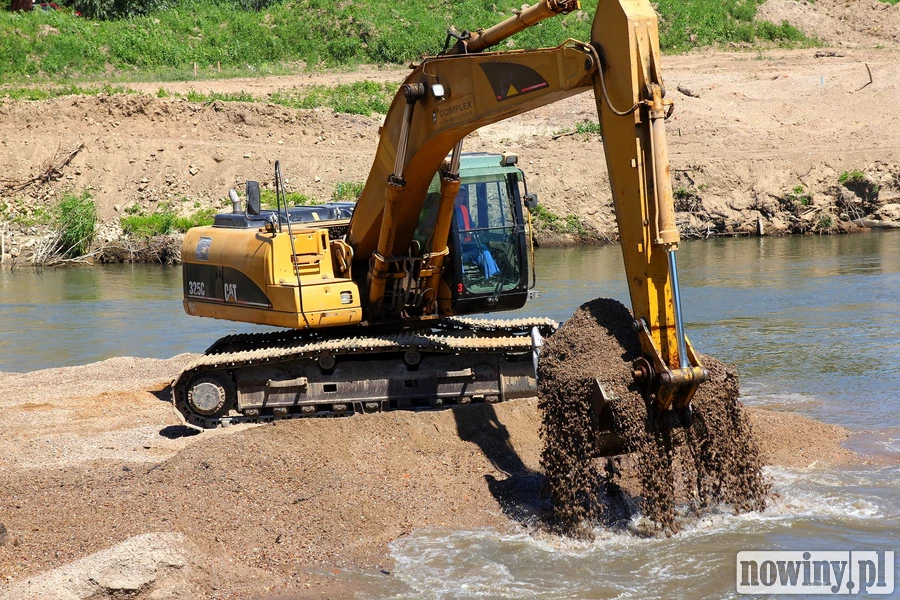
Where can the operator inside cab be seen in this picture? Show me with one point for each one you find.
(487, 266)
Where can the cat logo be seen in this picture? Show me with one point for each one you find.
(202, 252)
(230, 292)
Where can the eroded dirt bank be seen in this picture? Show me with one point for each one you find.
(92, 460)
(757, 139)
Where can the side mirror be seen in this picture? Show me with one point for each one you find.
(531, 201)
(253, 198)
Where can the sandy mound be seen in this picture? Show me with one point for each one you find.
(284, 497)
(338, 490)
(853, 23)
(270, 507)
(790, 440)
(67, 383)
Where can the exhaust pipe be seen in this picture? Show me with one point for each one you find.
(235, 202)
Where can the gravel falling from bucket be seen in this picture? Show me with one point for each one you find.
(714, 460)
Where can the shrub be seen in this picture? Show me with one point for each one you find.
(267, 199)
(588, 127)
(824, 224)
(685, 200)
(864, 188)
(76, 223)
(347, 191)
(112, 9)
(164, 222)
(543, 219)
(852, 178)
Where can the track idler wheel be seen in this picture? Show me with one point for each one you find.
(210, 396)
(412, 357)
(327, 362)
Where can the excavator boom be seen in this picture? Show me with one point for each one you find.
(448, 96)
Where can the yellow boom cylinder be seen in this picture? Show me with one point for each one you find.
(481, 40)
(380, 270)
(449, 189)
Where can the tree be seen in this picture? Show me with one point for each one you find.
(22, 5)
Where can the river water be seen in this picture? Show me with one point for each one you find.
(813, 324)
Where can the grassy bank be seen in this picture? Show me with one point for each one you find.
(357, 98)
(222, 39)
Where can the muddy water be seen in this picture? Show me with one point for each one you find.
(814, 327)
(813, 324)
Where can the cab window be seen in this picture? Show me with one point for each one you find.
(487, 241)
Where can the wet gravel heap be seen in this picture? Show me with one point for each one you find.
(670, 469)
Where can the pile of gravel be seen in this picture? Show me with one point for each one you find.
(712, 461)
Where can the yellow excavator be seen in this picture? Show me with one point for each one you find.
(373, 297)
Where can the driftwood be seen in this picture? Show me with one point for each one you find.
(50, 171)
(165, 250)
(49, 252)
(564, 134)
(870, 78)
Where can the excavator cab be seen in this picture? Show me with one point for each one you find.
(487, 268)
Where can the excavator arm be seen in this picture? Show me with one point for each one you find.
(447, 97)
(630, 97)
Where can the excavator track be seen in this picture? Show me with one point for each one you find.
(251, 378)
(291, 337)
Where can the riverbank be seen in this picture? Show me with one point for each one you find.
(96, 467)
(750, 147)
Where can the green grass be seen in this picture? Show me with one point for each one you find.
(37, 216)
(588, 127)
(857, 182)
(222, 39)
(344, 191)
(798, 197)
(76, 222)
(347, 191)
(267, 199)
(851, 178)
(358, 98)
(164, 221)
(685, 24)
(543, 219)
(47, 93)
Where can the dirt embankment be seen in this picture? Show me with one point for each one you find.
(756, 141)
(94, 461)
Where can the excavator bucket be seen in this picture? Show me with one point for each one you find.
(607, 441)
